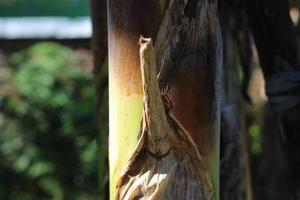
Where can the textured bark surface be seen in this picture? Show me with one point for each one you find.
(189, 59)
(189, 56)
(166, 163)
(127, 20)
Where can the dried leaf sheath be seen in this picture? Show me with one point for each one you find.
(166, 163)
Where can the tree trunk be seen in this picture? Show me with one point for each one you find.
(127, 20)
(99, 47)
(234, 168)
(272, 162)
(188, 49)
(166, 163)
(277, 45)
(189, 59)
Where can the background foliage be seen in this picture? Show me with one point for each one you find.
(48, 147)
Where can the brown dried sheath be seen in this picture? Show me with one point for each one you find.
(166, 163)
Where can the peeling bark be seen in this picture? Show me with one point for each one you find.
(166, 163)
(189, 59)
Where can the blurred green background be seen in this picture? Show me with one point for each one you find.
(48, 146)
(48, 138)
(71, 8)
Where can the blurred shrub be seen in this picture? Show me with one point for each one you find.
(48, 144)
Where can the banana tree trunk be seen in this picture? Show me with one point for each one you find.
(127, 20)
(189, 57)
(188, 50)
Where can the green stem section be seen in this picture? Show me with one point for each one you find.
(127, 20)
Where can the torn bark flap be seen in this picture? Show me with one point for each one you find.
(166, 163)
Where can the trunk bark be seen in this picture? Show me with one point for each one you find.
(166, 163)
(127, 20)
(99, 48)
(277, 45)
(189, 60)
